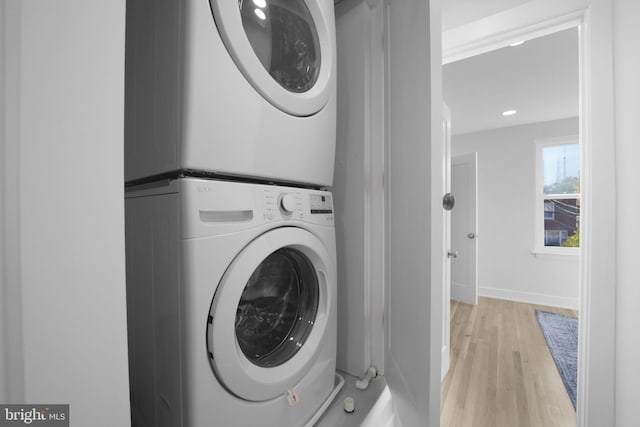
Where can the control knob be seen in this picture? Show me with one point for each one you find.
(287, 203)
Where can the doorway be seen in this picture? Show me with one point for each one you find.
(506, 106)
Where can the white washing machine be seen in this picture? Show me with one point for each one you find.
(242, 88)
(231, 296)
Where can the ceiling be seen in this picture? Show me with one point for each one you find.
(539, 79)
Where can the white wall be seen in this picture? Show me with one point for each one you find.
(627, 107)
(507, 268)
(4, 368)
(460, 12)
(63, 207)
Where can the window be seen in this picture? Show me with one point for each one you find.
(549, 210)
(558, 195)
(554, 237)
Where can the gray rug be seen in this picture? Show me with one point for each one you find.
(561, 333)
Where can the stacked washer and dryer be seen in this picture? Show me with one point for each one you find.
(230, 240)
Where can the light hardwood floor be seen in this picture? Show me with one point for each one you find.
(502, 373)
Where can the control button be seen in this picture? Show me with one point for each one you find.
(270, 215)
(301, 215)
(287, 203)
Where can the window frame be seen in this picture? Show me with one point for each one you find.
(540, 196)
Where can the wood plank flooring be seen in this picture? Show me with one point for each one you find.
(502, 373)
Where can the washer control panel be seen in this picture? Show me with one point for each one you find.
(288, 203)
(312, 206)
(320, 204)
(212, 207)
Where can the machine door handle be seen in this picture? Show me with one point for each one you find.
(452, 254)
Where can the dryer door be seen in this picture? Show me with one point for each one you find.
(269, 314)
(284, 48)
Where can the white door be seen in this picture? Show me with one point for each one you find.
(413, 306)
(464, 229)
(445, 260)
(285, 49)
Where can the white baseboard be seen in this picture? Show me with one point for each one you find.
(530, 298)
(382, 413)
(444, 357)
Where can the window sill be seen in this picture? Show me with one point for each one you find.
(555, 253)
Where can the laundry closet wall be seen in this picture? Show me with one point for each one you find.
(349, 184)
(357, 189)
(63, 315)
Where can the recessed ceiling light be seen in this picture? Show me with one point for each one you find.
(509, 112)
(260, 3)
(517, 43)
(260, 14)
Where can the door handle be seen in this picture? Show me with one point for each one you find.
(452, 254)
(448, 201)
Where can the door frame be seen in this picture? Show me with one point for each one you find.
(596, 364)
(441, 220)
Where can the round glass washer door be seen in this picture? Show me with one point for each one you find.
(284, 48)
(269, 314)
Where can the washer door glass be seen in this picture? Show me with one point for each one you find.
(277, 308)
(285, 39)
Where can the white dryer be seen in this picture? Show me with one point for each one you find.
(243, 88)
(231, 296)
